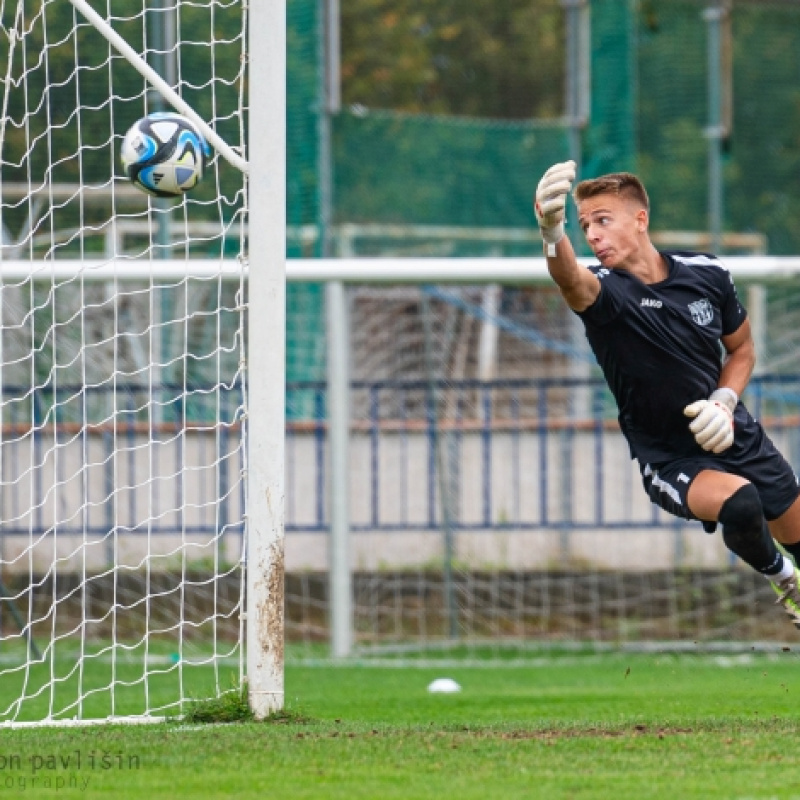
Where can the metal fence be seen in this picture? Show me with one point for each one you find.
(490, 460)
(508, 456)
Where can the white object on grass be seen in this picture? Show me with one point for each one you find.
(443, 686)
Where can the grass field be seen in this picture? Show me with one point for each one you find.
(612, 725)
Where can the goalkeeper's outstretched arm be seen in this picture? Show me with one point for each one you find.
(578, 285)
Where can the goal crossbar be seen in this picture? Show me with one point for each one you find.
(503, 270)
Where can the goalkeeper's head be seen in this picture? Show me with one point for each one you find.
(622, 184)
(614, 215)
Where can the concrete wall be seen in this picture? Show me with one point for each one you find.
(518, 501)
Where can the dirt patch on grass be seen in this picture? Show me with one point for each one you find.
(596, 733)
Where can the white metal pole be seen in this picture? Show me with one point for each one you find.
(453, 271)
(757, 313)
(341, 593)
(266, 352)
(490, 333)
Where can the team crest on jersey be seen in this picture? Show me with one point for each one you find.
(702, 312)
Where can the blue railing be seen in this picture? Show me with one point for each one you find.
(507, 455)
(102, 464)
(497, 456)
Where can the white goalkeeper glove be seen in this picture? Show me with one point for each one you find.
(551, 200)
(713, 420)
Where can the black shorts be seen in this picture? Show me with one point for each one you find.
(752, 456)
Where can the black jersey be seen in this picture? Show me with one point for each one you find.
(658, 346)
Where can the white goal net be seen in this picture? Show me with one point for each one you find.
(122, 392)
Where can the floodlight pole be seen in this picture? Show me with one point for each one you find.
(162, 33)
(338, 402)
(577, 109)
(337, 320)
(717, 17)
(578, 72)
(329, 92)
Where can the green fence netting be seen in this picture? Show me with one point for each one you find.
(649, 112)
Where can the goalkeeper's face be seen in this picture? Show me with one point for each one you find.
(615, 228)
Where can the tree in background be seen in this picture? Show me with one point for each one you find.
(481, 58)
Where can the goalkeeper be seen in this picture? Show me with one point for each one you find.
(655, 321)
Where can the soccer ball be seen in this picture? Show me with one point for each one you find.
(164, 154)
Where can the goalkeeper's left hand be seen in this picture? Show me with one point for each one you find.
(713, 420)
(551, 200)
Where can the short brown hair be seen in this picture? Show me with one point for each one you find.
(623, 184)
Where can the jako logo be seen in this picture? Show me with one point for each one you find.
(650, 303)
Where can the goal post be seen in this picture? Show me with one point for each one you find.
(266, 357)
(141, 502)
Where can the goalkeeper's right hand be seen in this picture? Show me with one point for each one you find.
(551, 200)
(713, 420)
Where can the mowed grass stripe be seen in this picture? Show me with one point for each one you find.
(623, 726)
